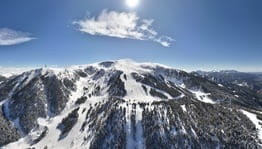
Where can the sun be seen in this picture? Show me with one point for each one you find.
(132, 3)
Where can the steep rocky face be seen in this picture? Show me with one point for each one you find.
(123, 104)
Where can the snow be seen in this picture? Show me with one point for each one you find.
(2, 102)
(136, 142)
(75, 138)
(15, 122)
(183, 108)
(134, 89)
(183, 130)
(5, 104)
(220, 85)
(35, 133)
(50, 71)
(129, 66)
(29, 76)
(180, 96)
(129, 136)
(17, 145)
(135, 94)
(194, 132)
(176, 81)
(253, 118)
(139, 127)
(53, 133)
(243, 84)
(201, 96)
(10, 71)
(51, 138)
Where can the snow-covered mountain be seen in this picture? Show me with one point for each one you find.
(124, 104)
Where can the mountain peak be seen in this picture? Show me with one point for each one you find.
(124, 104)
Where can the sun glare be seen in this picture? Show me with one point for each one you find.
(132, 3)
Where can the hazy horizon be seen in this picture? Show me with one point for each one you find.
(7, 70)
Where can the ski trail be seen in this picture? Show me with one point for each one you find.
(139, 128)
(134, 129)
(129, 132)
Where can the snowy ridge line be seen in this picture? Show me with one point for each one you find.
(113, 107)
(123, 64)
(126, 65)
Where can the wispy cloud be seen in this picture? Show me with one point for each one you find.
(122, 25)
(12, 37)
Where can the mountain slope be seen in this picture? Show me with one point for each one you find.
(2, 78)
(252, 81)
(124, 104)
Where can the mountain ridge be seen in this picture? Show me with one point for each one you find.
(124, 104)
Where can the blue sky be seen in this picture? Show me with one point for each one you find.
(201, 34)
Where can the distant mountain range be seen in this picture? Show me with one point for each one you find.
(252, 81)
(124, 104)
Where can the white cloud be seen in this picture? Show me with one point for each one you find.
(12, 37)
(122, 25)
(10, 71)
